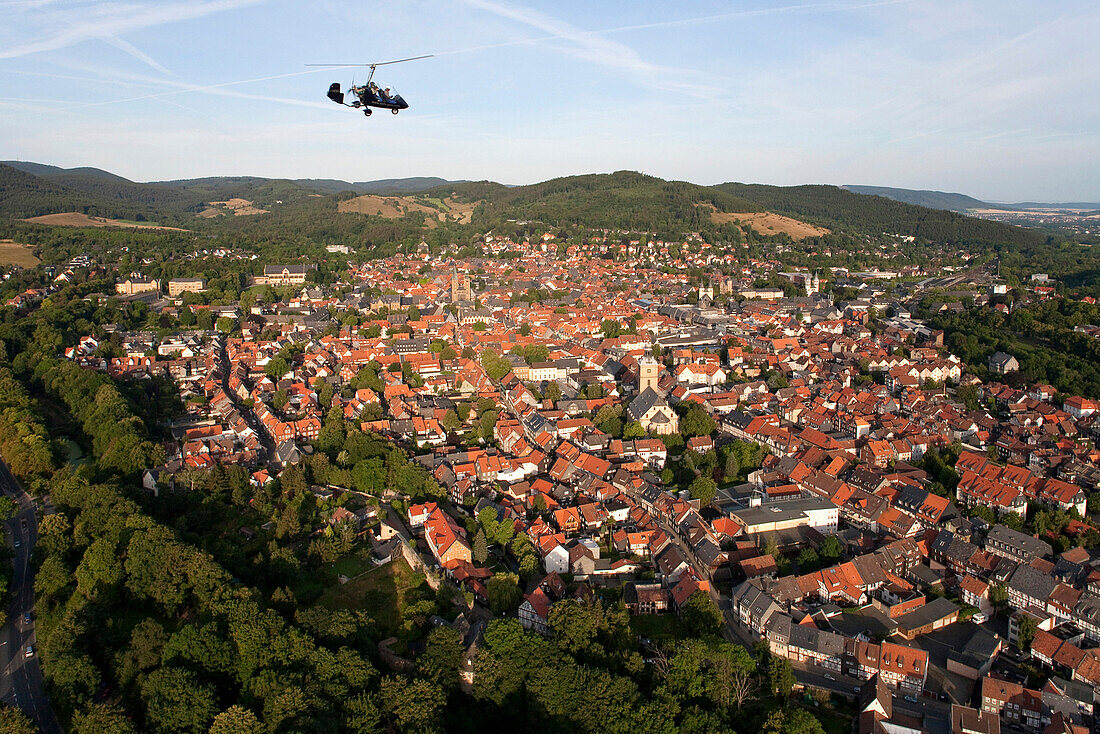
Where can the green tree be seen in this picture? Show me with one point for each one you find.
(412, 705)
(176, 701)
(14, 721)
(703, 489)
(276, 367)
(732, 466)
(808, 560)
(481, 547)
(1025, 631)
(697, 422)
(236, 720)
(700, 615)
(442, 658)
(363, 715)
(101, 718)
(830, 549)
(503, 592)
(781, 678)
(369, 475)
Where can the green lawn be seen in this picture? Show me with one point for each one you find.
(657, 626)
(381, 592)
(354, 564)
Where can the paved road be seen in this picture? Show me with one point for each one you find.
(20, 676)
(249, 417)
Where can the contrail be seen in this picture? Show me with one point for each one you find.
(811, 7)
(683, 22)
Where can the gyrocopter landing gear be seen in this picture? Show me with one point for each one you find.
(368, 112)
(395, 111)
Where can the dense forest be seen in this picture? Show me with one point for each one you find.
(25, 195)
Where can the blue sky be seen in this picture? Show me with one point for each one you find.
(997, 99)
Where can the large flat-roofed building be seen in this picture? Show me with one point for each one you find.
(283, 275)
(177, 286)
(814, 512)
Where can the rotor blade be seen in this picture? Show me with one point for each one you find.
(381, 63)
(401, 61)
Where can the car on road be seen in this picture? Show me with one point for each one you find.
(830, 676)
(29, 652)
(16, 542)
(23, 523)
(911, 699)
(855, 689)
(26, 618)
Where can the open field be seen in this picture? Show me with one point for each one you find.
(76, 219)
(14, 253)
(393, 207)
(767, 223)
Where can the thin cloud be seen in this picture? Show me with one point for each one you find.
(137, 54)
(56, 19)
(113, 19)
(601, 51)
(687, 22)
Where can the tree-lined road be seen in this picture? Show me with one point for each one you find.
(21, 676)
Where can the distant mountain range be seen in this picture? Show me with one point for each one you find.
(385, 186)
(95, 180)
(930, 199)
(960, 202)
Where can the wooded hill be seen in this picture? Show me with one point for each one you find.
(833, 207)
(621, 200)
(25, 195)
(931, 199)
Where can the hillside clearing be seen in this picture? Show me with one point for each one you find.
(768, 223)
(76, 219)
(237, 207)
(17, 254)
(394, 207)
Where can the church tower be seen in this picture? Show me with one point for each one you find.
(461, 290)
(648, 370)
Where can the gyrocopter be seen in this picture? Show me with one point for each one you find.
(369, 94)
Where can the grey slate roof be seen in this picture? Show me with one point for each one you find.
(1032, 583)
(642, 404)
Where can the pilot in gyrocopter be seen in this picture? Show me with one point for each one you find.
(370, 94)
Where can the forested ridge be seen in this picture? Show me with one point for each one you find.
(25, 195)
(623, 200)
(873, 215)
